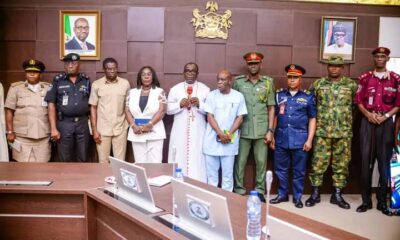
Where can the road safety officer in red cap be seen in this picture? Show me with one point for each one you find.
(27, 120)
(68, 111)
(257, 128)
(378, 99)
(295, 122)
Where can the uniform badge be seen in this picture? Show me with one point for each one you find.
(32, 62)
(292, 66)
(82, 88)
(50, 87)
(282, 108)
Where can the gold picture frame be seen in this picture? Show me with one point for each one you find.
(80, 33)
(338, 37)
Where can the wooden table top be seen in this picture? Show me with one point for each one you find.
(81, 178)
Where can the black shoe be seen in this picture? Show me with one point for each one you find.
(384, 209)
(279, 199)
(298, 203)
(261, 196)
(364, 207)
(314, 198)
(336, 198)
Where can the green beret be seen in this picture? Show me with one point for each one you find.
(335, 60)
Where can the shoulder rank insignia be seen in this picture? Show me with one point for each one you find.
(17, 83)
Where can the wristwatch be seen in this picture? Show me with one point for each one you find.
(387, 115)
(270, 130)
(9, 132)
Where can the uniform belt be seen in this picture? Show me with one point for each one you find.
(75, 119)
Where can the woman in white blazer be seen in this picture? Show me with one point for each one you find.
(145, 108)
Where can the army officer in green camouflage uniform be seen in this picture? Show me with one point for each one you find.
(334, 131)
(257, 128)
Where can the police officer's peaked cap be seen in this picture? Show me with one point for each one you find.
(253, 57)
(383, 50)
(33, 65)
(294, 70)
(71, 57)
(335, 60)
(339, 27)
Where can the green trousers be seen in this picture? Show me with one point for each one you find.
(260, 151)
(325, 149)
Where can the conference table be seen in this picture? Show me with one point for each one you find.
(74, 206)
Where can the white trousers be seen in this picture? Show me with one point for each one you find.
(148, 152)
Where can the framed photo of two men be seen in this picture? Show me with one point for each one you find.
(338, 37)
(80, 33)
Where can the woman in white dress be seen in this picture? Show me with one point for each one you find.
(145, 109)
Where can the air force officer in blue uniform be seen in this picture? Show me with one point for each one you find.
(295, 123)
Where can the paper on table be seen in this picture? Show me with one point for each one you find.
(16, 145)
(159, 181)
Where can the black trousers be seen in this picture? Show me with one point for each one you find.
(74, 143)
(376, 143)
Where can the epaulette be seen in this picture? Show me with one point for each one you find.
(17, 83)
(44, 84)
(82, 75)
(240, 76)
(279, 90)
(267, 78)
(59, 76)
(306, 91)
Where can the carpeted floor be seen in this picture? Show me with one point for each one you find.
(371, 224)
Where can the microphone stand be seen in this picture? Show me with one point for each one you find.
(268, 181)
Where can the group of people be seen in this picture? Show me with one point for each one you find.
(214, 129)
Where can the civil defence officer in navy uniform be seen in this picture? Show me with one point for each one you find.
(295, 124)
(68, 111)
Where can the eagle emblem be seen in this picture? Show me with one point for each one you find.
(211, 24)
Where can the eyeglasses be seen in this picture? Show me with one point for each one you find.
(342, 35)
(222, 79)
(82, 28)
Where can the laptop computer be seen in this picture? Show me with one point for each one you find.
(201, 213)
(132, 185)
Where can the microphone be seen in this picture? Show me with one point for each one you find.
(189, 91)
(268, 181)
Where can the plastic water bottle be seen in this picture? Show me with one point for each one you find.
(253, 231)
(178, 174)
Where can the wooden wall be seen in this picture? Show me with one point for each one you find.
(159, 33)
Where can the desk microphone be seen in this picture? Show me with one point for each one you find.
(268, 181)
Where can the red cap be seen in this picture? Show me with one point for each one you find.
(383, 50)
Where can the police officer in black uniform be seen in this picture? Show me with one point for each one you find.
(68, 111)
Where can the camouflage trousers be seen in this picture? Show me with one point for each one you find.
(325, 149)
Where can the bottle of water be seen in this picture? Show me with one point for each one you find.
(178, 174)
(253, 231)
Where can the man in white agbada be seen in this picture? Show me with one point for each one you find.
(186, 102)
(3, 140)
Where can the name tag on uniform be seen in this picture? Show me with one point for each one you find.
(44, 103)
(370, 100)
(65, 100)
(282, 109)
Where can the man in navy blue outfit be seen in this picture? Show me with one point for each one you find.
(295, 123)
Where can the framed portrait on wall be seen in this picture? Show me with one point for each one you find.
(80, 33)
(338, 37)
